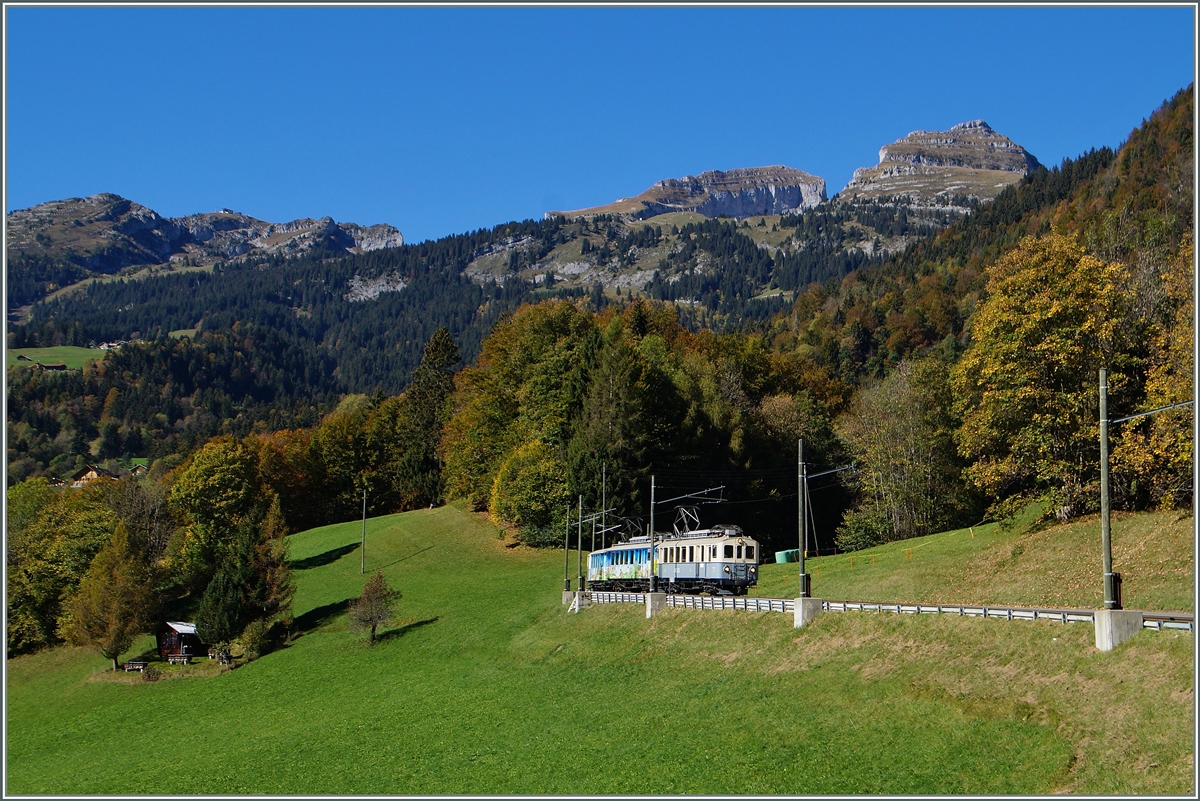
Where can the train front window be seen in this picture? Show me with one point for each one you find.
(739, 552)
(750, 552)
(728, 551)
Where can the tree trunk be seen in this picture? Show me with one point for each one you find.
(115, 663)
(372, 640)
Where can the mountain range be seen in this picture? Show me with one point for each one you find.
(106, 233)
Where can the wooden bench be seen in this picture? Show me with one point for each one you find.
(138, 666)
(179, 659)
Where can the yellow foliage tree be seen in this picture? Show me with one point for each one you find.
(1026, 388)
(1157, 450)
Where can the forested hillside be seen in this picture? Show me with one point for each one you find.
(959, 377)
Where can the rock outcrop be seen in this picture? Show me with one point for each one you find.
(734, 193)
(931, 167)
(106, 233)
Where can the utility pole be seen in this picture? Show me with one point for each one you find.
(1110, 600)
(802, 485)
(603, 501)
(1111, 579)
(567, 553)
(579, 546)
(653, 582)
(363, 549)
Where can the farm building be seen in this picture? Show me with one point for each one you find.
(178, 639)
(89, 473)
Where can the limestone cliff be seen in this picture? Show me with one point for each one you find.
(733, 193)
(931, 167)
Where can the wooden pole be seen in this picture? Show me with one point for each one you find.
(363, 549)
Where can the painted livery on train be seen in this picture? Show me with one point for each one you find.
(719, 560)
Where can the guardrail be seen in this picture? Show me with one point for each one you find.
(1150, 620)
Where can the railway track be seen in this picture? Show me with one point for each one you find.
(1150, 620)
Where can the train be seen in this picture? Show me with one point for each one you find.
(718, 560)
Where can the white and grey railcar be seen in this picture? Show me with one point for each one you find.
(719, 560)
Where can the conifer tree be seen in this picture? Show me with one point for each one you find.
(113, 603)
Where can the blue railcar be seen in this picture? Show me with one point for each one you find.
(719, 560)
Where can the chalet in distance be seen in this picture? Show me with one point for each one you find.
(89, 473)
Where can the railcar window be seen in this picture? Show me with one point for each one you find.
(714, 552)
(739, 552)
(728, 551)
(691, 554)
(749, 551)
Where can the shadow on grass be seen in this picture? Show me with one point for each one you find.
(326, 558)
(396, 633)
(405, 558)
(319, 616)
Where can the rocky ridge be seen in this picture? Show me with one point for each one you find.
(970, 160)
(106, 233)
(736, 193)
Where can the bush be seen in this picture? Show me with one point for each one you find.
(256, 640)
(151, 673)
(862, 528)
(541, 536)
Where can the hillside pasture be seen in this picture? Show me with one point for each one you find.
(485, 684)
(1014, 564)
(73, 357)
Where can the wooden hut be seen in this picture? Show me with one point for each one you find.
(178, 641)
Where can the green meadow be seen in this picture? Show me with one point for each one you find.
(486, 684)
(1016, 564)
(69, 355)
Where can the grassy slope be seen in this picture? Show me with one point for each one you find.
(72, 357)
(1020, 565)
(486, 685)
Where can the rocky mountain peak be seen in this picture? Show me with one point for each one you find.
(741, 192)
(970, 160)
(106, 233)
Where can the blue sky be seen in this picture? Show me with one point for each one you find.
(444, 120)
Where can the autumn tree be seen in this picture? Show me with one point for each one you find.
(900, 434)
(215, 492)
(528, 385)
(1156, 451)
(114, 601)
(1026, 386)
(52, 537)
(374, 607)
